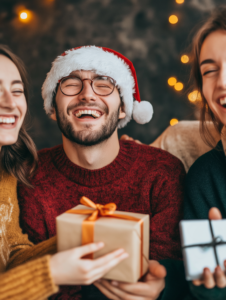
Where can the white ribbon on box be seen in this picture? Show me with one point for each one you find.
(201, 248)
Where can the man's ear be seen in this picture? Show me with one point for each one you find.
(122, 113)
(53, 115)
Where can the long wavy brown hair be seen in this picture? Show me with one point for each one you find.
(217, 21)
(19, 159)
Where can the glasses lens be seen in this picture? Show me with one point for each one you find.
(103, 85)
(71, 86)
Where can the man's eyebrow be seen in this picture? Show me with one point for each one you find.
(207, 61)
(17, 81)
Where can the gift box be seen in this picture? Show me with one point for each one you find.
(97, 223)
(203, 245)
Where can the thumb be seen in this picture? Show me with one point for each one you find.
(156, 270)
(214, 214)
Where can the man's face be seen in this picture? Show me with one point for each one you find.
(87, 119)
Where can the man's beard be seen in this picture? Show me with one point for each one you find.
(82, 137)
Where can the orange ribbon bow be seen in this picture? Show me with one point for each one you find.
(106, 210)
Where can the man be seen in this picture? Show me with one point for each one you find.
(89, 91)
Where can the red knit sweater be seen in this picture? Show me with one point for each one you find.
(141, 179)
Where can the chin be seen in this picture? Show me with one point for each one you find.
(8, 141)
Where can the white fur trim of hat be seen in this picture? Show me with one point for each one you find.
(103, 61)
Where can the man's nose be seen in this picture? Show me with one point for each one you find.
(87, 93)
(6, 99)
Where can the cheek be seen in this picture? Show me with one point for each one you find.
(22, 106)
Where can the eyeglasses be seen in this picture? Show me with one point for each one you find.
(101, 85)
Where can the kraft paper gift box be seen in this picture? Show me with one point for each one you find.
(203, 245)
(115, 233)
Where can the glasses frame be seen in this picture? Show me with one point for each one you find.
(71, 76)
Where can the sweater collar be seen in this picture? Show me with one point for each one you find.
(117, 169)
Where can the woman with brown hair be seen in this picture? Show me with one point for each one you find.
(42, 273)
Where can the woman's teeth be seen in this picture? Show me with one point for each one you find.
(7, 120)
(223, 101)
(93, 113)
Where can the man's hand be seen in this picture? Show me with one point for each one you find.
(149, 289)
(218, 278)
(125, 137)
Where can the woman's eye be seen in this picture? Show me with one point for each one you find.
(17, 92)
(208, 72)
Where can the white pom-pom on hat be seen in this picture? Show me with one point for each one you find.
(103, 61)
(142, 112)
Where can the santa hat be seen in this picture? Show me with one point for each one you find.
(103, 61)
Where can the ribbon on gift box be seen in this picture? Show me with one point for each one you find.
(216, 241)
(106, 210)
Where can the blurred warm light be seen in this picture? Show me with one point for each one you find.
(180, 1)
(25, 16)
(194, 96)
(173, 122)
(179, 86)
(173, 19)
(172, 81)
(184, 59)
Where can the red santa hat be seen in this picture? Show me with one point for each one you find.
(103, 61)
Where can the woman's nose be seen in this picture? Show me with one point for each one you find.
(6, 99)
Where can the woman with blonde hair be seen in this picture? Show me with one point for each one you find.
(40, 276)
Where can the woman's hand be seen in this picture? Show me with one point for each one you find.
(68, 267)
(218, 278)
(125, 137)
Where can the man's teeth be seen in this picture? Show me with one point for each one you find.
(93, 113)
(223, 100)
(7, 120)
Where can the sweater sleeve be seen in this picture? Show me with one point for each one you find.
(167, 211)
(200, 196)
(30, 281)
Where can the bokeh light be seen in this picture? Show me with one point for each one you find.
(178, 86)
(173, 19)
(194, 96)
(184, 59)
(172, 81)
(173, 122)
(179, 1)
(25, 16)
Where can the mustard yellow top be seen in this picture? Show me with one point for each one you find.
(31, 280)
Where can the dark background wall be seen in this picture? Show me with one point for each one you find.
(139, 29)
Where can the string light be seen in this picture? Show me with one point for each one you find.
(173, 122)
(179, 1)
(172, 81)
(184, 59)
(178, 86)
(25, 16)
(173, 19)
(194, 96)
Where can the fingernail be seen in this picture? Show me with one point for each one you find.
(218, 269)
(115, 283)
(206, 270)
(100, 244)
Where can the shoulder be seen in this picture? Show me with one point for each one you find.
(157, 160)
(208, 162)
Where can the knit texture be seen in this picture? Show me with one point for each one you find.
(206, 188)
(30, 281)
(141, 179)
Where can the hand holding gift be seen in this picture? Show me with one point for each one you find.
(217, 276)
(149, 289)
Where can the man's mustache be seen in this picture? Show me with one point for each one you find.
(101, 107)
